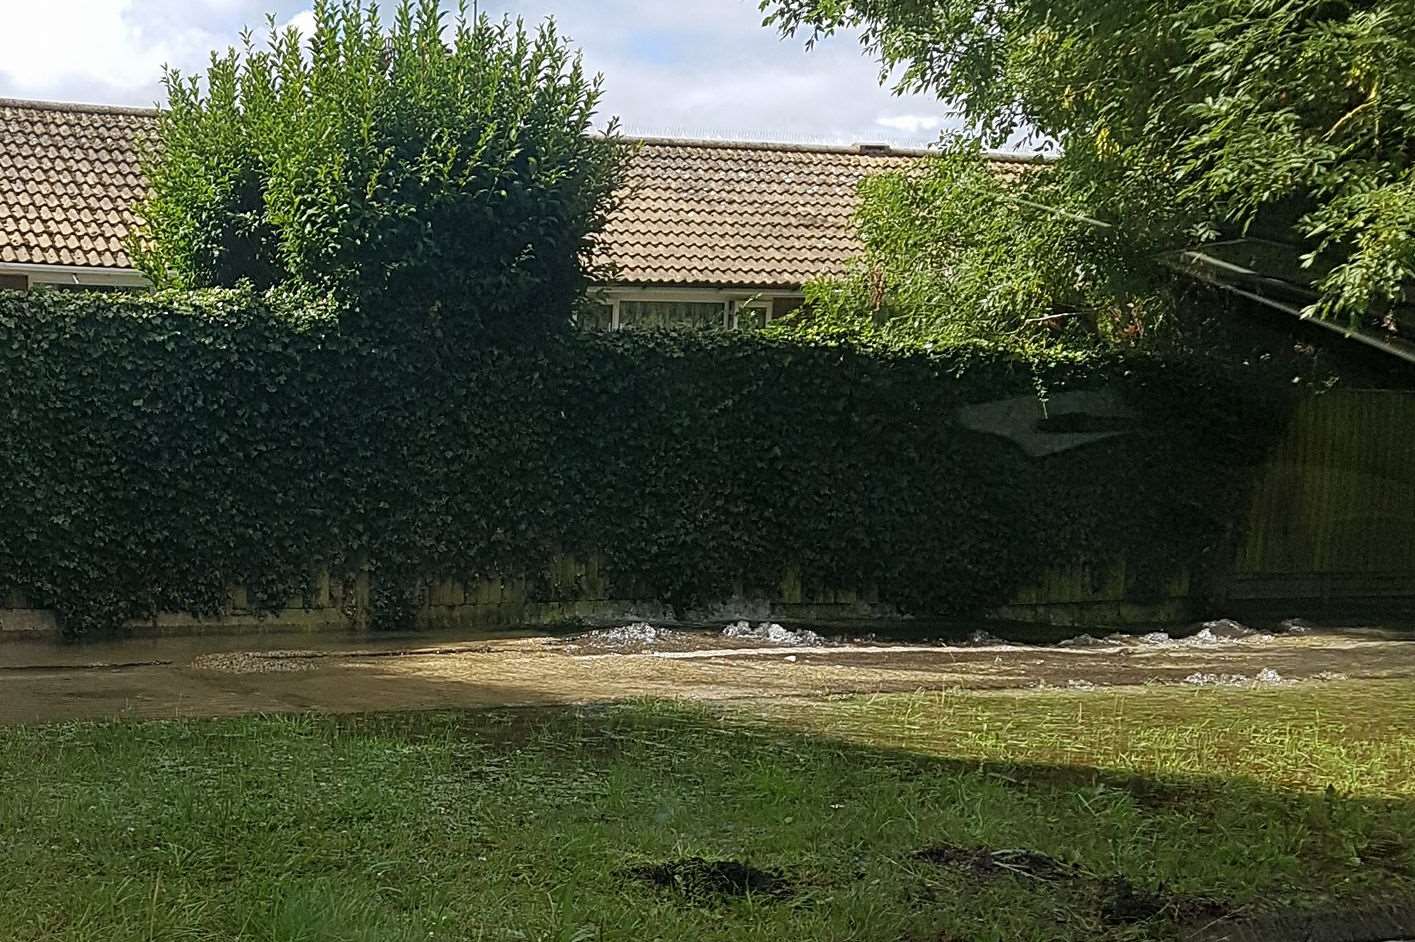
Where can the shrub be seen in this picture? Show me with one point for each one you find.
(454, 175)
(162, 447)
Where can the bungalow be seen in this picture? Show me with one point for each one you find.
(711, 233)
(69, 179)
(708, 232)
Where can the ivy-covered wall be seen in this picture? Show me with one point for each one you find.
(159, 449)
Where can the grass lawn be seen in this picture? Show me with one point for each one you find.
(525, 825)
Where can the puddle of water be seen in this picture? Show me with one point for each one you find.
(143, 650)
(363, 673)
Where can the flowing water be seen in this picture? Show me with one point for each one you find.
(222, 675)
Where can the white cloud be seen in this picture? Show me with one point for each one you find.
(302, 21)
(110, 50)
(706, 68)
(912, 123)
(710, 69)
(47, 43)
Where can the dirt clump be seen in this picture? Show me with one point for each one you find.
(705, 881)
(1116, 900)
(984, 862)
(1328, 924)
(1125, 904)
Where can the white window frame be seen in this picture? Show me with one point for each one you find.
(670, 297)
(753, 304)
(733, 300)
(76, 275)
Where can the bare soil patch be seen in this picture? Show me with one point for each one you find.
(1116, 900)
(705, 881)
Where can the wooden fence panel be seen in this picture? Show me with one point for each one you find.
(1333, 511)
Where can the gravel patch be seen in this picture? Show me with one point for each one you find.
(264, 662)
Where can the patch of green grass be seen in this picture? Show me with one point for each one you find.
(518, 825)
(1354, 736)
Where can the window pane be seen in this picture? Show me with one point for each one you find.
(595, 315)
(752, 316)
(671, 314)
(785, 307)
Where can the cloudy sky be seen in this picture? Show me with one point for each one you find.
(690, 68)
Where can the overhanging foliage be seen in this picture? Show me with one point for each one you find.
(957, 249)
(1185, 121)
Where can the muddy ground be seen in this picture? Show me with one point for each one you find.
(222, 676)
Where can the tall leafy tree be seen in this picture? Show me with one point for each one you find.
(447, 168)
(965, 248)
(1187, 121)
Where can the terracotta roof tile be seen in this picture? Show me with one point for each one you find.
(719, 214)
(697, 213)
(756, 215)
(70, 181)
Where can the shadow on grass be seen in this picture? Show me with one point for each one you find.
(1070, 849)
(531, 823)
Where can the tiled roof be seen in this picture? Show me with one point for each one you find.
(750, 215)
(69, 180)
(696, 213)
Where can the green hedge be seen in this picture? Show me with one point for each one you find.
(159, 448)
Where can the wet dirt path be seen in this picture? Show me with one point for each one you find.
(191, 677)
